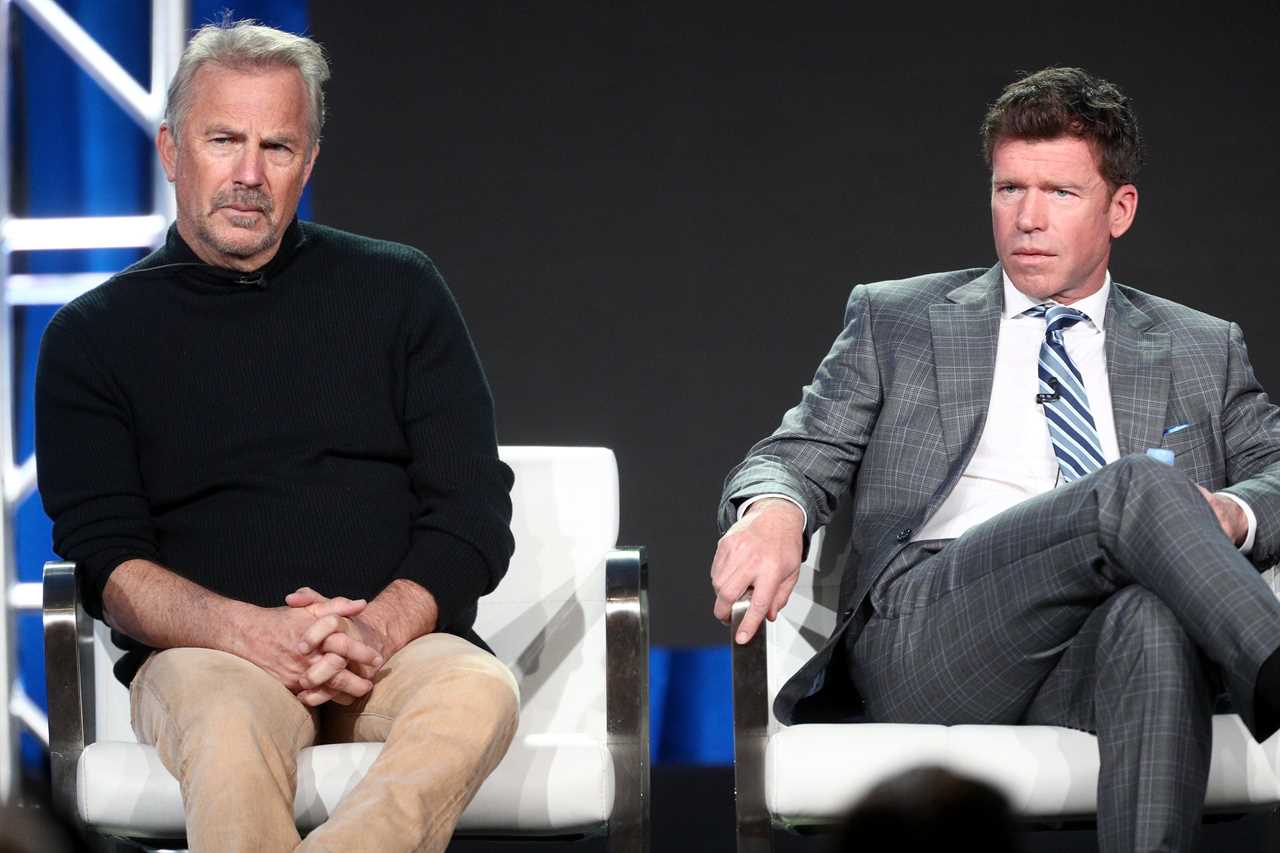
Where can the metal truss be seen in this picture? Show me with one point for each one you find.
(18, 478)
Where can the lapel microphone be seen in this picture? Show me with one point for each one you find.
(1041, 399)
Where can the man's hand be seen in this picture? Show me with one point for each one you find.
(401, 613)
(344, 650)
(272, 639)
(1230, 516)
(761, 552)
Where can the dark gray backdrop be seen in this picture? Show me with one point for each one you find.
(652, 216)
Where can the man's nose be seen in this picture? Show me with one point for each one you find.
(1032, 212)
(249, 167)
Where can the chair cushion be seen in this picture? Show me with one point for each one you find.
(546, 784)
(814, 773)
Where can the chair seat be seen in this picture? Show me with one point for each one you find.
(815, 772)
(546, 784)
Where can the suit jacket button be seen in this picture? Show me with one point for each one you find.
(904, 534)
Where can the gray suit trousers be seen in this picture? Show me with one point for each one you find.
(1111, 604)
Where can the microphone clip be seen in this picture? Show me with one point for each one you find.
(1041, 399)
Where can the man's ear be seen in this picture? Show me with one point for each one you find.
(167, 148)
(1124, 207)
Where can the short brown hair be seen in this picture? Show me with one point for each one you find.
(1058, 102)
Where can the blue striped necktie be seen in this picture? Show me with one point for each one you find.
(1063, 398)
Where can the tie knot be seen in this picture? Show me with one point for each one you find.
(1057, 317)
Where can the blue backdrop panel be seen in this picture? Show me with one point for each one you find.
(690, 705)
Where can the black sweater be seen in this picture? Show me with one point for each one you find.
(323, 421)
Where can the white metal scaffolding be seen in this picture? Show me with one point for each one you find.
(18, 478)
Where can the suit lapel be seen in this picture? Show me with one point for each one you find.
(964, 331)
(1138, 369)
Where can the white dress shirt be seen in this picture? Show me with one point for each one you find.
(1014, 459)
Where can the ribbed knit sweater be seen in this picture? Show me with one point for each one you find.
(323, 421)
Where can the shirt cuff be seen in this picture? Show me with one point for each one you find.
(745, 505)
(1247, 546)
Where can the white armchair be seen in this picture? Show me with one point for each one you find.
(808, 776)
(570, 619)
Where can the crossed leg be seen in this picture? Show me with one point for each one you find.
(978, 631)
(1131, 662)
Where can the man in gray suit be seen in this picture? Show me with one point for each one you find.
(1016, 557)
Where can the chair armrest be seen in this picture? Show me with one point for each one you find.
(68, 666)
(750, 731)
(627, 695)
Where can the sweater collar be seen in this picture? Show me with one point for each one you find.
(177, 252)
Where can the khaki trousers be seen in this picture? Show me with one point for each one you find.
(230, 733)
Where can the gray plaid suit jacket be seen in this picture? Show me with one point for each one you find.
(898, 405)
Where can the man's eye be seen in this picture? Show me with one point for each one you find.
(279, 154)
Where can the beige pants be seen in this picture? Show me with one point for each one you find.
(230, 733)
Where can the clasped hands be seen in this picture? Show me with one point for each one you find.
(322, 649)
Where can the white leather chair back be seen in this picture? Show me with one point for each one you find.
(111, 698)
(546, 619)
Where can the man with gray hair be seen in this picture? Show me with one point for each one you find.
(270, 448)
